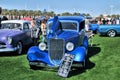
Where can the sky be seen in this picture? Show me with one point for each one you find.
(93, 7)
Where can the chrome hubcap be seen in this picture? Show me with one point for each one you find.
(111, 33)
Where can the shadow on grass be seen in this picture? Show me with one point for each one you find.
(108, 36)
(89, 65)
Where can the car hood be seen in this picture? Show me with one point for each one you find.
(66, 35)
(7, 32)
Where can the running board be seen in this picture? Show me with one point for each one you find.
(66, 64)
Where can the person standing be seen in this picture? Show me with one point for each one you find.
(34, 32)
(43, 27)
(104, 21)
(117, 21)
(0, 17)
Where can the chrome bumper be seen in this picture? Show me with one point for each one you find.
(8, 49)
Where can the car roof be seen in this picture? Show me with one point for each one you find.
(15, 21)
(76, 18)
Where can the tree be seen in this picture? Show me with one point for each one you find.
(51, 14)
(66, 14)
(101, 15)
(75, 13)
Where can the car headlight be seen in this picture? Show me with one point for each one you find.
(69, 46)
(49, 31)
(9, 40)
(42, 46)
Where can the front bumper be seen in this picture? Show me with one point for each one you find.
(41, 64)
(8, 49)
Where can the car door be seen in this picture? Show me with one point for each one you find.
(26, 29)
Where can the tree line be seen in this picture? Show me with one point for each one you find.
(36, 13)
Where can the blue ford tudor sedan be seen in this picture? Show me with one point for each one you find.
(110, 30)
(65, 43)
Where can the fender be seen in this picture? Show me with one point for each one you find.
(79, 53)
(85, 42)
(93, 27)
(35, 54)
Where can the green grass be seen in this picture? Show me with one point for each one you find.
(103, 64)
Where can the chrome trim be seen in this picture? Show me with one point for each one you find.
(2, 46)
(9, 49)
(53, 53)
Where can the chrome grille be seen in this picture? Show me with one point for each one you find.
(2, 45)
(56, 49)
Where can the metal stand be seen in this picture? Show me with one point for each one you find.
(90, 37)
(66, 64)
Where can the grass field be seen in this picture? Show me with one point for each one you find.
(103, 64)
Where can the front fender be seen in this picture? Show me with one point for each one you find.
(80, 53)
(35, 54)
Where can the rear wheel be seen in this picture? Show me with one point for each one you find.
(111, 33)
(20, 48)
(84, 62)
(35, 67)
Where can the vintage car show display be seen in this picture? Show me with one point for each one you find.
(14, 35)
(111, 30)
(65, 44)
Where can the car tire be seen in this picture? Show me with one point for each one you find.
(35, 67)
(84, 62)
(20, 48)
(32, 66)
(111, 33)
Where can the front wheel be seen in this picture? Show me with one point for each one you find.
(32, 67)
(20, 48)
(111, 33)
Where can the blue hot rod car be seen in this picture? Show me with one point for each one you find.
(65, 37)
(111, 30)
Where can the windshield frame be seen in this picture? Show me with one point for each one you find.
(62, 21)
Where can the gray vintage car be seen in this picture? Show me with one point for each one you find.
(14, 35)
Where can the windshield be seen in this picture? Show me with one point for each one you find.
(10, 26)
(65, 25)
(69, 25)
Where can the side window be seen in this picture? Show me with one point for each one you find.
(82, 25)
(25, 26)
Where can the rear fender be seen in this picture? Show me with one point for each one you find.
(85, 42)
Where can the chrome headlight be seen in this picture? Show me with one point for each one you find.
(42, 46)
(9, 39)
(49, 31)
(69, 46)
